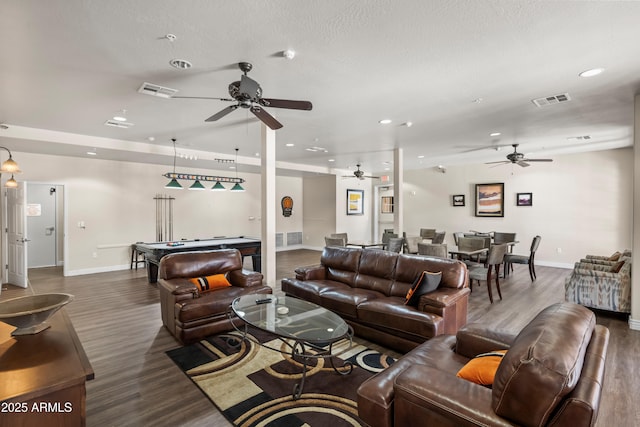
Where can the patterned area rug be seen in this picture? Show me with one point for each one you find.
(253, 385)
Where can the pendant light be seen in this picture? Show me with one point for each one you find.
(11, 183)
(197, 186)
(174, 184)
(237, 187)
(10, 166)
(218, 187)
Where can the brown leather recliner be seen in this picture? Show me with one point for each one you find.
(191, 315)
(551, 375)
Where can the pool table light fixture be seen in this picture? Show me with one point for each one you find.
(196, 186)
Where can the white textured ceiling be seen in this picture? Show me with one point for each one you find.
(458, 70)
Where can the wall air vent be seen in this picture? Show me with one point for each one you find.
(156, 90)
(551, 100)
(579, 138)
(116, 124)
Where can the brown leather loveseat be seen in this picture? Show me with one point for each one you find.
(190, 314)
(551, 375)
(367, 288)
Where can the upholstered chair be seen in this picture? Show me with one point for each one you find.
(438, 237)
(433, 249)
(600, 286)
(456, 236)
(385, 238)
(411, 244)
(427, 233)
(473, 244)
(395, 244)
(510, 259)
(342, 236)
(495, 258)
(334, 241)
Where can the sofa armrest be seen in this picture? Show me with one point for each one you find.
(476, 338)
(245, 278)
(181, 289)
(596, 273)
(311, 272)
(435, 301)
(429, 395)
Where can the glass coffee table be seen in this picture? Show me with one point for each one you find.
(308, 330)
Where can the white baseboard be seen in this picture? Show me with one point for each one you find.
(97, 270)
(556, 264)
(634, 324)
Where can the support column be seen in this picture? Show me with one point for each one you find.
(634, 319)
(398, 201)
(268, 173)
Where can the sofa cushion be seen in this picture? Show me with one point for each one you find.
(543, 364)
(482, 368)
(395, 315)
(344, 300)
(425, 283)
(214, 303)
(376, 270)
(341, 263)
(210, 283)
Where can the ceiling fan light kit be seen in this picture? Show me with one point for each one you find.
(360, 174)
(517, 158)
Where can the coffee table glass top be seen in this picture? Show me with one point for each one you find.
(290, 317)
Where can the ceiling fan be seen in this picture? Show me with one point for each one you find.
(359, 174)
(518, 158)
(247, 93)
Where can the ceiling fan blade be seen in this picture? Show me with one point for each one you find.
(202, 97)
(501, 162)
(538, 160)
(220, 114)
(523, 164)
(249, 87)
(265, 117)
(285, 103)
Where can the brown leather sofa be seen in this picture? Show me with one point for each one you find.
(551, 375)
(367, 288)
(191, 315)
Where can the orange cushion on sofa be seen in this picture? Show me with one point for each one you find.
(482, 368)
(210, 283)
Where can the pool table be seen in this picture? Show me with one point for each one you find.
(153, 252)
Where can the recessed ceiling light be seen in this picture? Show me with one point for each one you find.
(181, 64)
(151, 138)
(120, 116)
(92, 153)
(331, 160)
(421, 157)
(495, 134)
(408, 124)
(385, 121)
(290, 145)
(592, 72)
(289, 53)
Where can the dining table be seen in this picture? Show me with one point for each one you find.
(460, 253)
(365, 243)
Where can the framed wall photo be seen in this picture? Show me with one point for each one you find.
(490, 199)
(458, 199)
(386, 204)
(524, 199)
(355, 202)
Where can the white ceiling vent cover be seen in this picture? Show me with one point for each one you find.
(551, 100)
(116, 124)
(156, 90)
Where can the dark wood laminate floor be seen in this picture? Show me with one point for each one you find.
(117, 317)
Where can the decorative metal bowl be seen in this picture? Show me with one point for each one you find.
(30, 314)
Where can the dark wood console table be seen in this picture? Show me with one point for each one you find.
(42, 376)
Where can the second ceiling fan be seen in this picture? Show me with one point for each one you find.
(518, 159)
(247, 93)
(359, 174)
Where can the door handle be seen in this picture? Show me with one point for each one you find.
(24, 240)
(48, 231)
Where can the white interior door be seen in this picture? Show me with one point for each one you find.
(16, 238)
(41, 225)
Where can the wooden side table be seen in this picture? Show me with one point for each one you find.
(43, 376)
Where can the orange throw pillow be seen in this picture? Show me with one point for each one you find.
(482, 368)
(210, 283)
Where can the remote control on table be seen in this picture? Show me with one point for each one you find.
(263, 301)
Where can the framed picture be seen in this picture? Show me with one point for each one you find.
(355, 202)
(458, 199)
(524, 199)
(490, 199)
(386, 204)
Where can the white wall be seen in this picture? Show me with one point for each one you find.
(115, 200)
(582, 203)
(319, 199)
(357, 226)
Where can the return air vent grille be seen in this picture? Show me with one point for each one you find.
(551, 100)
(116, 124)
(156, 90)
(279, 240)
(294, 238)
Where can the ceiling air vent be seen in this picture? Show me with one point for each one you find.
(551, 100)
(156, 90)
(116, 124)
(579, 138)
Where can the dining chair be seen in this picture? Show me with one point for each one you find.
(334, 241)
(456, 236)
(494, 259)
(510, 259)
(427, 233)
(385, 238)
(343, 236)
(395, 244)
(438, 237)
(433, 249)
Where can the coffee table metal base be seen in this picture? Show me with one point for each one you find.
(302, 350)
